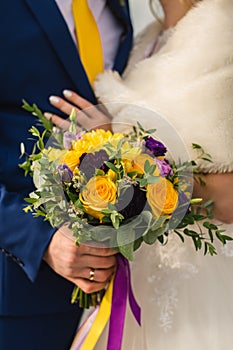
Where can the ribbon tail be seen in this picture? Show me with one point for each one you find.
(119, 300)
(135, 308)
(84, 330)
(99, 323)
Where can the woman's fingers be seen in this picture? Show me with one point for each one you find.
(82, 119)
(99, 113)
(66, 107)
(61, 104)
(88, 116)
(61, 123)
(77, 100)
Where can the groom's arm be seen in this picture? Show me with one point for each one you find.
(22, 238)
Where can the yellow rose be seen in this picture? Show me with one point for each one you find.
(55, 154)
(98, 192)
(138, 164)
(162, 197)
(72, 159)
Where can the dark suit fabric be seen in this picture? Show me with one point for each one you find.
(37, 58)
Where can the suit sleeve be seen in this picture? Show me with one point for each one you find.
(22, 237)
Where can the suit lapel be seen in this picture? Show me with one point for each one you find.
(54, 25)
(57, 32)
(120, 8)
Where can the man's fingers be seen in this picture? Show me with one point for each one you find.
(96, 275)
(97, 262)
(88, 286)
(96, 249)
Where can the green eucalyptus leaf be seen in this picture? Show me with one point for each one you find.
(150, 237)
(125, 235)
(111, 166)
(196, 146)
(137, 243)
(152, 169)
(158, 222)
(147, 166)
(151, 179)
(127, 250)
(102, 233)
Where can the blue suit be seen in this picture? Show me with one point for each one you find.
(38, 58)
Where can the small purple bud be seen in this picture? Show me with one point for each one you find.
(79, 135)
(68, 137)
(164, 168)
(65, 173)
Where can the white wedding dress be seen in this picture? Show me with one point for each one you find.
(186, 298)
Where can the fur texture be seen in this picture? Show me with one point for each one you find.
(189, 82)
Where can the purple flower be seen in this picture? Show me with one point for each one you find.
(89, 162)
(183, 206)
(155, 147)
(80, 134)
(65, 173)
(132, 202)
(164, 167)
(183, 200)
(68, 137)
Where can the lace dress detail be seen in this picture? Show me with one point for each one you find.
(164, 268)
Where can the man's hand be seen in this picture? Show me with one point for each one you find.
(75, 262)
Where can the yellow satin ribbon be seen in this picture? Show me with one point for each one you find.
(88, 37)
(100, 320)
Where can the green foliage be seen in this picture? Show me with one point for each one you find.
(59, 203)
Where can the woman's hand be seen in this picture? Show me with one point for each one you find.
(219, 188)
(88, 115)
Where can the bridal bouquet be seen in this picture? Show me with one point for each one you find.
(115, 189)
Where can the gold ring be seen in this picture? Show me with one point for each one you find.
(92, 275)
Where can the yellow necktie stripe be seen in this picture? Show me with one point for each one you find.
(88, 37)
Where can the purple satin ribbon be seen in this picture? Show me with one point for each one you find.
(122, 290)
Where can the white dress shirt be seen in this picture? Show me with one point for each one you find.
(109, 28)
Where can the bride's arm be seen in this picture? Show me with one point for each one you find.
(219, 188)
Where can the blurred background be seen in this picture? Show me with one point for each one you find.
(140, 13)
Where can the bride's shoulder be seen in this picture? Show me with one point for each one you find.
(148, 34)
(142, 41)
